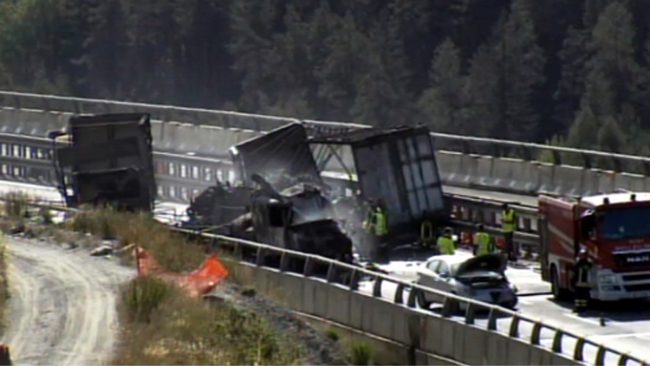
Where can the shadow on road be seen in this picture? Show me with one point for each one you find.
(621, 311)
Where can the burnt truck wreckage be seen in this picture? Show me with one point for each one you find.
(106, 160)
(278, 200)
(298, 192)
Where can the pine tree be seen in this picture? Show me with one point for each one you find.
(522, 65)
(504, 77)
(441, 103)
(610, 136)
(483, 115)
(584, 131)
(573, 57)
(347, 59)
(614, 56)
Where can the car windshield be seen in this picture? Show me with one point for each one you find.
(626, 223)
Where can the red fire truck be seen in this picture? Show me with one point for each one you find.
(615, 230)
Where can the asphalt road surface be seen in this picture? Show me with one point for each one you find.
(62, 309)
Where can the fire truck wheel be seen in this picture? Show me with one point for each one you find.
(558, 292)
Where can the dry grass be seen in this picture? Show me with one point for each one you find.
(171, 250)
(165, 327)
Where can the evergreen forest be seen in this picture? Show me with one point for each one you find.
(566, 72)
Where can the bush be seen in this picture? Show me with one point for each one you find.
(183, 330)
(143, 296)
(16, 204)
(361, 354)
(332, 334)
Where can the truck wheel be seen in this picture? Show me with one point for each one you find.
(558, 293)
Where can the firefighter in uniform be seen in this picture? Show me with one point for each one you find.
(446, 243)
(508, 225)
(483, 242)
(581, 281)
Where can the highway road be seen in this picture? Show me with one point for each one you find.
(627, 325)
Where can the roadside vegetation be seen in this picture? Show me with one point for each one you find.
(160, 324)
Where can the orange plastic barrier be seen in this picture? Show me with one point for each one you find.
(196, 283)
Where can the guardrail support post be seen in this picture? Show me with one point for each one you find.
(354, 280)
(622, 361)
(492, 319)
(557, 341)
(514, 327)
(259, 257)
(238, 252)
(306, 271)
(578, 351)
(600, 356)
(470, 314)
(284, 262)
(376, 287)
(448, 307)
(399, 295)
(410, 301)
(535, 334)
(331, 272)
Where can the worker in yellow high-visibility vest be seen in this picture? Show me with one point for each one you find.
(508, 226)
(446, 243)
(483, 241)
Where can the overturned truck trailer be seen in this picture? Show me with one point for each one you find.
(106, 160)
(395, 167)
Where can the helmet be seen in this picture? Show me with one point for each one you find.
(583, 252)
(448, 230)
(480, 227)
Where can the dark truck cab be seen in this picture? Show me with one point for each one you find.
(106, 160)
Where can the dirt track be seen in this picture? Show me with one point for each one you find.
(62, 307)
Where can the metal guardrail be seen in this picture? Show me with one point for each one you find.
(407, 292)
(237, 120)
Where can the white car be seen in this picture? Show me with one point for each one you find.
(481, 278)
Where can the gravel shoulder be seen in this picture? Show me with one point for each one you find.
(62, 308)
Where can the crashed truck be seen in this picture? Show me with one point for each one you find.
(106, 160)
(289, 169)
(395, 168)
(278, 199)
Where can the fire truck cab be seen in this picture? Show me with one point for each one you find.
(615, 230)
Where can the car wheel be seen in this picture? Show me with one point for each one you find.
(558, 293)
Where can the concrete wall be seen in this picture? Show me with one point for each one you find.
(421, 337)
(526, 177)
